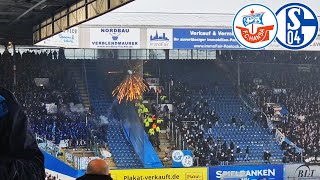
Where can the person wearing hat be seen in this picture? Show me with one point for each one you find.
(20, 156)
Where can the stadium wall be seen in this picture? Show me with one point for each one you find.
(54, 164)
(55, 167)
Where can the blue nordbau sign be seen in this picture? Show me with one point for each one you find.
(263, 172)
(204, 39)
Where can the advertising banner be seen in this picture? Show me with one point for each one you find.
(204, 39)
(51, 108)
(263, 172)
(153, 81)
(115, 38)
(302, 171)
(84, 161)
(67, 39)
(55, 175)
(280, 137)
(164, 173)
(159, 38)
(41, 81)
(182, 158)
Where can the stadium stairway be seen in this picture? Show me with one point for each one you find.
(122, 151)
(77, 70)
(227, 103)
(164, 143)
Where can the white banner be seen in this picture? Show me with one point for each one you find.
(278, 91)
(280, 137)
(69, 157)
(67, 39)
(301, 171)
(257, 80)
(170, 107)
(159, 38)
(51, 174)
(115, 38)
(153, 81)
(305, 67)
(41, 81)
(84, 161)
(51, 108)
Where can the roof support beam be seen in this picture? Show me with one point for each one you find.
(27, 11)
(74, 15)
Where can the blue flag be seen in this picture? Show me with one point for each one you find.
(252, 19)
(54, 127)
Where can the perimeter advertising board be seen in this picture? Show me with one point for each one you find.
(159, 38)
(161, 174)
(263, 172)
(52, 174)
(182, 158)
(204, 39)
(302, 171)
(67, 39)
(115, 38)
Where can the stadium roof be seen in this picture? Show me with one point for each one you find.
(18, 16)
(183, 13)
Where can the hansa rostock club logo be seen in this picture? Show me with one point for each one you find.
(255, 26)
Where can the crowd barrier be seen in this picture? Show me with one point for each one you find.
(250, 172)
(302, 171)
(263, 172)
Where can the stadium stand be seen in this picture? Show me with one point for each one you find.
(206, 104)
(59, 92)
(122, 151)
(211, 114)
(294, 87)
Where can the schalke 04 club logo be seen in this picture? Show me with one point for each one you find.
(298, 27)
(255, 26)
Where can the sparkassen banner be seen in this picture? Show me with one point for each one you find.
(114, 38)
(302, 171)
(256, 172)
(161, 174)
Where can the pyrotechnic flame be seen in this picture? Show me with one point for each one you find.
(131, 88)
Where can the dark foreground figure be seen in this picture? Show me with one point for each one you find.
(20, 157)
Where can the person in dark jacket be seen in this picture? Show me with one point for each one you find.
(231, 145)
(20, 157)
(97, 169)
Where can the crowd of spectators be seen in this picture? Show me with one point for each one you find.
(194, 117)
(59, 123)
(291, 80)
